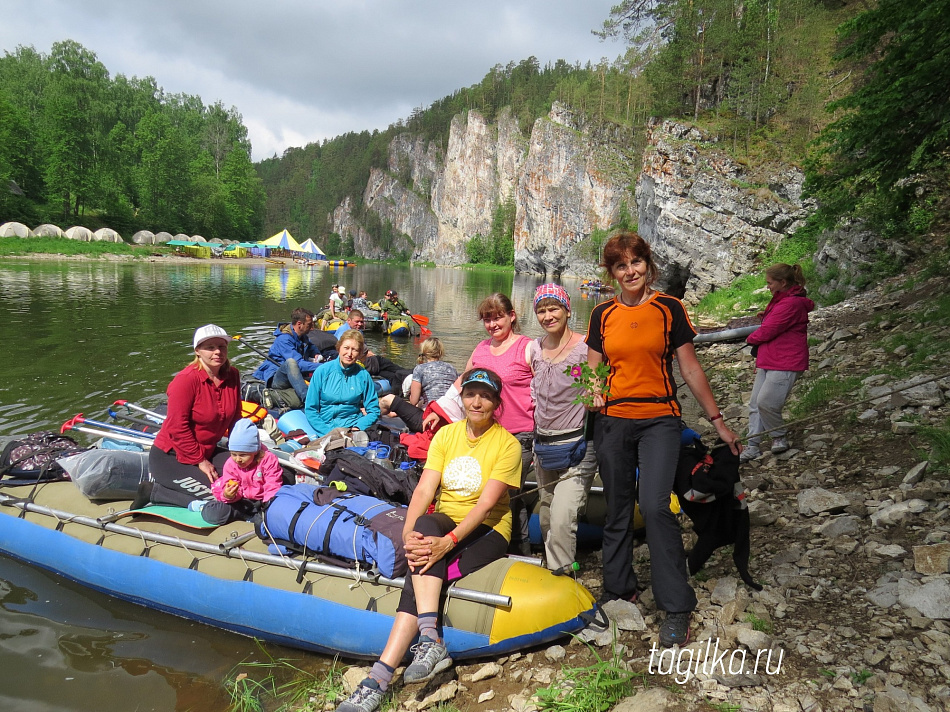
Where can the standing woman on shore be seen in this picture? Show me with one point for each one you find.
(506, 353)
(638, 333)
(204, 401)
(781, 355)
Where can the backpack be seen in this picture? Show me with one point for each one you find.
(341, 527)
(32, 458)
(255, 390)
(366, 477)
(704, 475)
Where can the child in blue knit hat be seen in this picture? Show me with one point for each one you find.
(250, 477)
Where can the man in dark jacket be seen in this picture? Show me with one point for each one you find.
(292, 357)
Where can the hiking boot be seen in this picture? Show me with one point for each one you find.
(675, 629)
(367, 697)
(779, 445)
(430, 657)
(750, 452)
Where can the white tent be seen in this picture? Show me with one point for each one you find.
(310, 247)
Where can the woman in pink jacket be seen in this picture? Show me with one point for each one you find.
(780, 346)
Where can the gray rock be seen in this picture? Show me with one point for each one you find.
(933, 559)
(868, 415)
(625, 615)
(838, 526)
(486, 671)
(445, 693)
(754, 640)
(916, 473)
(556, 653)
(893, 513)
(761, 513)
(817, 500)
(724, 591)
(655, 699)
(894, 699)
(932, 599)
(884, 596)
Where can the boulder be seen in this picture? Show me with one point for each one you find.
(932, 599)
(817, 500)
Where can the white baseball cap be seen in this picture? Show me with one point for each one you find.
(341, 289)
(209, 331)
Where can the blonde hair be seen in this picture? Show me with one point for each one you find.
(790, 274)
(351, 335)
(196, 363)
(431, 350)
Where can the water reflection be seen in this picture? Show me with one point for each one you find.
(79, 335)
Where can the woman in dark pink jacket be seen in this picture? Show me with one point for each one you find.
(781, 348)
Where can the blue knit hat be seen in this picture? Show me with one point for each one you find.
(244, 437)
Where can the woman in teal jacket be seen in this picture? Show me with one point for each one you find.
(342, 393)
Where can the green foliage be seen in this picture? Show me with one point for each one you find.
(84, 146)
(595, 688)
(745, 294)
(895, 122)
(860, 677)
(759, 624)
(725, 706)
(11, 246)
(937, 438)
(498, 247)
(822, 392)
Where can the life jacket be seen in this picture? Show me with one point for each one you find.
(341, 527)
(253, 411)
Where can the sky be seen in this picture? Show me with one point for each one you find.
(301, 71)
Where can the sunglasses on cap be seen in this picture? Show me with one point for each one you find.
(481, 376)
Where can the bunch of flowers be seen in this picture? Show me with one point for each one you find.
(589, 381)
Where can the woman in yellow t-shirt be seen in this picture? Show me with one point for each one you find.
(471, 465)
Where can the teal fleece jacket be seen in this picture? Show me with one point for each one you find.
(336, 395)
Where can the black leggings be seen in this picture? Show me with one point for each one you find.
(478, 549)
(410, 414)
(179, 484)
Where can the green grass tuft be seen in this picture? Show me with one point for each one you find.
(595, 688)
(822, 392)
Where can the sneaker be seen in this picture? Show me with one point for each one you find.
(367, 697)
(675, 629)
(196, 505)
(750, 452)
(779, 445)
(430, 658)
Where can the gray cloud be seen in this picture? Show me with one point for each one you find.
(305, 70)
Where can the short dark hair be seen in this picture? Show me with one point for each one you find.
(354, 312)
(300, 314)
(627, 242)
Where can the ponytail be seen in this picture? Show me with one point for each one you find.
(790, 274)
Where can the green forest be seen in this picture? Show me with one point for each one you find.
(855, 92)
(89, 149)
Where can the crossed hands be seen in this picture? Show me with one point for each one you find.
(423, 551)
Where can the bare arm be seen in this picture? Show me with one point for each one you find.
(594, 359)
(415, 392)
(696, 379)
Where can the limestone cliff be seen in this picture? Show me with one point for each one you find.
(565, 180)
(706, 216)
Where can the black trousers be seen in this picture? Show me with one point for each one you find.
(652, 445)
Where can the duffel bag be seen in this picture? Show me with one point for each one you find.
(104, 475)
(323, 521)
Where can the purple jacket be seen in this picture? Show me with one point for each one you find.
(783, 337)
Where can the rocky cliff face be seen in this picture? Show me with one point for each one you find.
(706, 216)
(566, 180)
(571, 185)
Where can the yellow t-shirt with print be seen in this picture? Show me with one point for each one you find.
(466, 467)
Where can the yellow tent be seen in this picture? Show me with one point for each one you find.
(282, 239)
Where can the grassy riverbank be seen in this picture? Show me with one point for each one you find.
(19, 247)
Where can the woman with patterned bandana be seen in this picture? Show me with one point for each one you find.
(472, 465)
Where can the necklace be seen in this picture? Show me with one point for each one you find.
(646, 295)
(561, 350)
(473, 440)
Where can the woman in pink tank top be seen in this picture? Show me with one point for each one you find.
(506, 353)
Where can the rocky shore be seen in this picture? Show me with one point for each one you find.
(850, 539)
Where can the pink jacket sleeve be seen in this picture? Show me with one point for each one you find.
(228, 475)
(273, 475)
(782, 316)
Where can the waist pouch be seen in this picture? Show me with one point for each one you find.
(324, 522)
(554, 452)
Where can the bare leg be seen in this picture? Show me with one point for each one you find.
(402, 634)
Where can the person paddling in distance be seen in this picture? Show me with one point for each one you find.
(638, 426)
(471, 468)
(204, 402)
(565, 462)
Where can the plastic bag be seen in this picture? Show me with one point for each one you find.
(104, 475)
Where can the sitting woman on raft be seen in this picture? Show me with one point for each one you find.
(472, 466)
(342, 393)
(204, 402)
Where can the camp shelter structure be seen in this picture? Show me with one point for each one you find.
(309, 248)
(284, 240)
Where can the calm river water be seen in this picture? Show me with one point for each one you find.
(76, 336)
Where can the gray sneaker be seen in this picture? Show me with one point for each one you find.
(779, 445)
(749, 452)
(430, 658)
(367, 697)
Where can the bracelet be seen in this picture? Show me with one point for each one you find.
(455, 539)
(716, 417)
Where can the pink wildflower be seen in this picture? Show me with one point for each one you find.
(576, 371)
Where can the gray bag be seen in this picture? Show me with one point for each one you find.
(104, 475)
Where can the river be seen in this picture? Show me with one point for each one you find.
(75, 337)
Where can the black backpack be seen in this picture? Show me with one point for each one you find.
(366, 477)
(33, 458)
